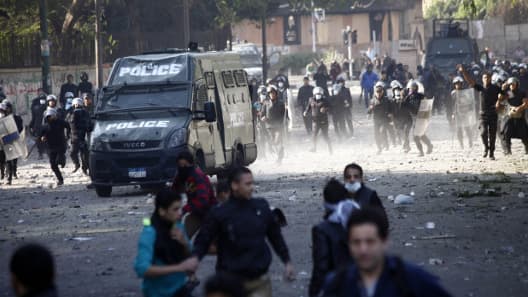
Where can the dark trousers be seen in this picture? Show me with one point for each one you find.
(308, 123)
(57, 158)
(367, 95)
(11, 169)
(2, 164)
(339, 124)
(323, 128)
(41, 147)
(488, 133)
(418, 141)
(380, 135)
(79, 147)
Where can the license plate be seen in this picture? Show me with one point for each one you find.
(137, 172)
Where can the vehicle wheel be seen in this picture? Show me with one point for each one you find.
(103, 191)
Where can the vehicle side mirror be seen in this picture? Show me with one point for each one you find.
(210, 112)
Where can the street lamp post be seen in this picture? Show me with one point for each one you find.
(44, 46)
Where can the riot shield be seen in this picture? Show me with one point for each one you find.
(466, 116)
(424, 117)
(12, 142)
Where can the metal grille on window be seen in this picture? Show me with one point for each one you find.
(240, 78)
(229, 82)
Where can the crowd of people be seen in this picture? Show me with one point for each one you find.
(350, 253)
(393, 99)
(57, 125)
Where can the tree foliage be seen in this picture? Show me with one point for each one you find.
(512, 11)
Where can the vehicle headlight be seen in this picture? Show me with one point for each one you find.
(98, 143)
(177, 138)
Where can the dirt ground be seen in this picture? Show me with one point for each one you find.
(478, 246)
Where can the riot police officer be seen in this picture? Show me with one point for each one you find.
(53, 135)
(80, 124)
(38, 107)
(318, 107)
(52, 104)
(402, 118)
(380, 109)
(412, 104)
(12, 164)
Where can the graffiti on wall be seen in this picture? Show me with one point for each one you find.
(21, 86)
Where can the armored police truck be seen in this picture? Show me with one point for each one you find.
(157, 104)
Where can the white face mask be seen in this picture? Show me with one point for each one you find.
(281, 85)
(353, 187)
(263, 97)
(397, 94)
(318, 97)
(42, 101)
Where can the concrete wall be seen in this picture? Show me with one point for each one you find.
(21, 85)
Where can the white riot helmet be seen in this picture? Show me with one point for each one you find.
(396, 85)
(271, 88)
(262, 92)
(458, 79)
(50, 112)
(51, 98)
(69, 95)
(318, 93)
(379, 84)
(513, 80)
(494, 78)
(77, 102)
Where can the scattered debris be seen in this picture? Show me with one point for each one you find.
(432, 237)
(520, 195)
(81, 238)
(430, 225)
(436, 261)
(403, 199)
(390, 198)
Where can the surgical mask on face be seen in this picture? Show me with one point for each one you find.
(476, 73)
(397, 94)
(263, 97)
(43, 101)
(281, 85)
(318, 97)
(353, 187)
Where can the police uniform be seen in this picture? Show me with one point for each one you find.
(380, 109)
(412, 104)
(515, 126)
(80, 123)
(318, 109)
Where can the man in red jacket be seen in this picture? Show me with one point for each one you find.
(200, 195)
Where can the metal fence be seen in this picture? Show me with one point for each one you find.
(24, 51)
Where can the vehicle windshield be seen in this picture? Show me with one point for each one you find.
(145, 97)
(450, 46)
(250, 61)
(450, 61)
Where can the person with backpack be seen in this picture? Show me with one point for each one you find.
(162, 249)
(329, 239)
(375, 272)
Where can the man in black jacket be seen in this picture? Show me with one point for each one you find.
(303, 98)
(80, 124)
(33, 272)
(84, 86)
(12, 164)
(363, 195)
(329, 238)
(241, 226)
(68, 87)
(53, 135)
